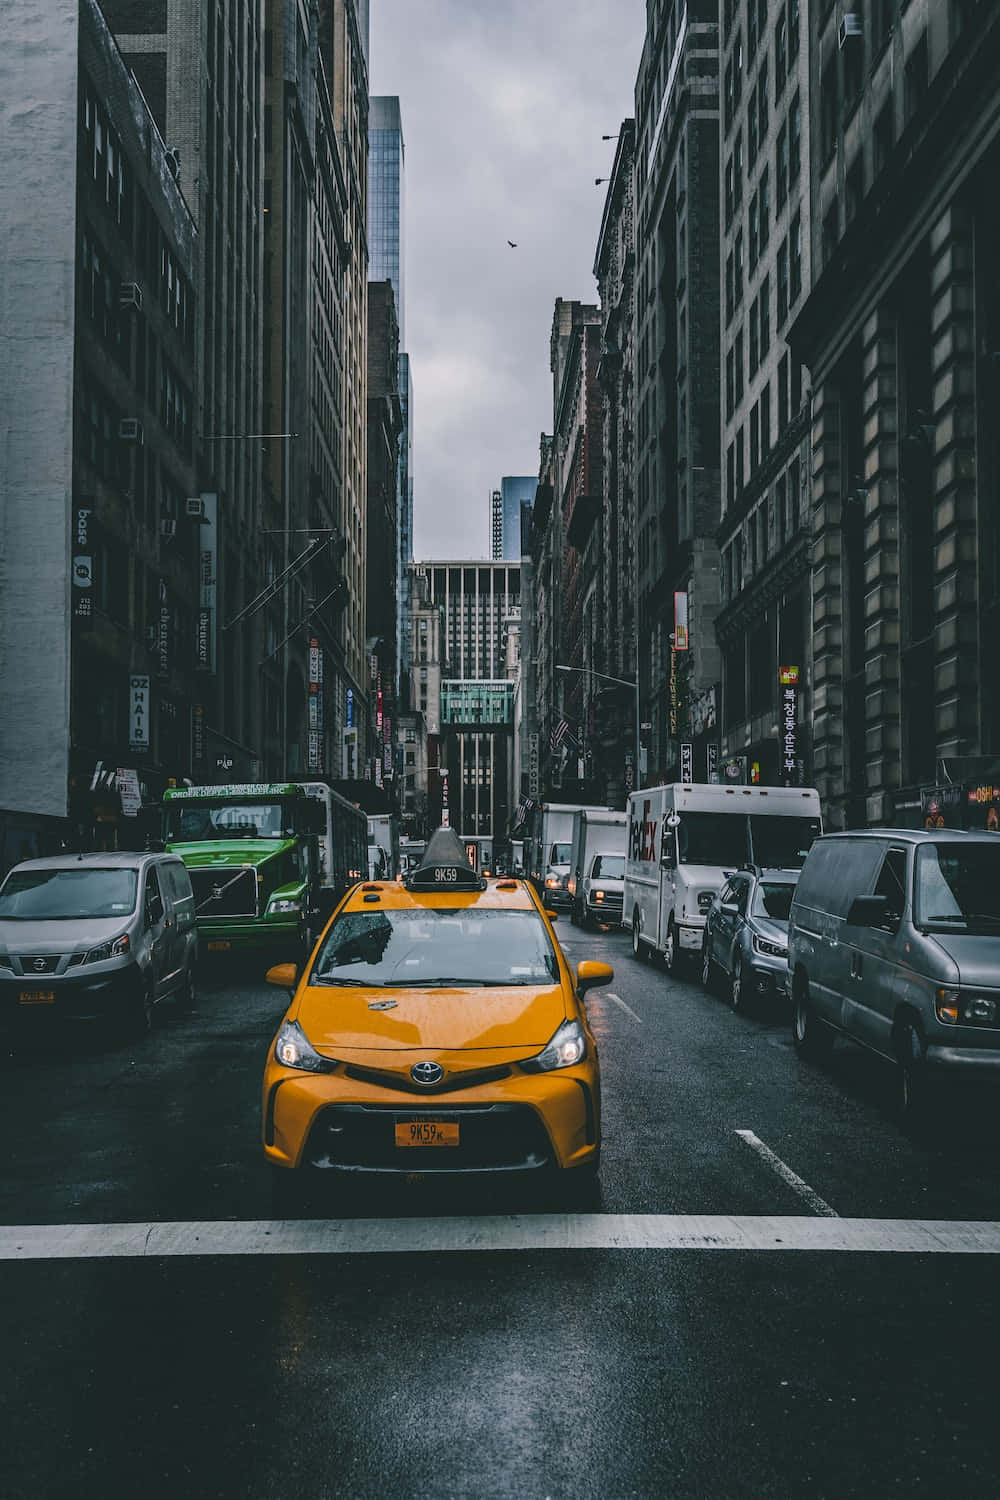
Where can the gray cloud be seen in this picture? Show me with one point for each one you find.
(503, 106)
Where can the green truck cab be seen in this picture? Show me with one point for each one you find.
(252, 852)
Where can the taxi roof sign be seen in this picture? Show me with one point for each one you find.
(445, 866)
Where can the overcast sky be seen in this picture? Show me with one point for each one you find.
(503, 103)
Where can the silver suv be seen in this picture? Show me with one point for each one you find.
(97, 937)
(746, 935)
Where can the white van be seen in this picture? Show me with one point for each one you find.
(685, 839)
(597, 866)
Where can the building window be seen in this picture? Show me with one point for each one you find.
(753, 233)
(751, 132)
(917, 77)
(765, 421)
(884, 136)
(829, 111)
(762, 105)
(830, 235)
(782, 290)
(730, 383)
(794, 138)
(754, 463)
(780, 53)
(795, 258)
(738, 267)
(782, 393)
(781, 168)
(764, 300)
(739, 366)
(764, 194)
(855, 189)
(738, 169)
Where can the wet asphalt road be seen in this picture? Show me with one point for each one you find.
(561, 1373)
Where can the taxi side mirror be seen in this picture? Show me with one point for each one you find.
(285, 975)
(590, 973)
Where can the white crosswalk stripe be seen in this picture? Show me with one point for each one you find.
(566, 1232)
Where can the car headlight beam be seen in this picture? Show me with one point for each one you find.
(566, 1049)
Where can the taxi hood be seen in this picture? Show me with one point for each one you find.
(434, 1019)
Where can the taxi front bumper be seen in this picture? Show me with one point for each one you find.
(519, 1123)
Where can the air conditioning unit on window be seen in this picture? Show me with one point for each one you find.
(130, 430)
(168, 527)
(130, 295)
(850, 27)
(195, 508)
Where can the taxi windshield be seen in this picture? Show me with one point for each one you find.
(440, 947)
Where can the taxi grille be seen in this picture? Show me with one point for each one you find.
(494, 1137)
(225, 892)
(448, 1085)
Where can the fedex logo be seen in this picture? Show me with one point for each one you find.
(642, 835)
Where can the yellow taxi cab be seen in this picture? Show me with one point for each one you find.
(436, 1029)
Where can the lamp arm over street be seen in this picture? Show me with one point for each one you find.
(623, 682)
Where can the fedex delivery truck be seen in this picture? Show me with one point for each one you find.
(686, 839)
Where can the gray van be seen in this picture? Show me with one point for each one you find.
(97, 936)
(894, 941)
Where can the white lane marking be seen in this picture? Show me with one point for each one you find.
(500, 1233)
(805, 1192)
(626, 1008)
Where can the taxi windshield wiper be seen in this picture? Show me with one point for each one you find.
(329, 977)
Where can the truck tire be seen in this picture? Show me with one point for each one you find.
(637, 944)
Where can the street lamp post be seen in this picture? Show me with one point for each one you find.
(623, 682)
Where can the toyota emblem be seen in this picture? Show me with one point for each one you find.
(427, 1072)
(39, 965)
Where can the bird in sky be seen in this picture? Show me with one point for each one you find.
(512, 244)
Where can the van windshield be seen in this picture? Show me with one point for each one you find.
(610, 866)
(66, 895)
(957, 887)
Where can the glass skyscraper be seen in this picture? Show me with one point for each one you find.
(387, 262)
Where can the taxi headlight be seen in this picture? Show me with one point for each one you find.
(113, 949)
(283, 903)
(293, 1049)
(567, 1047)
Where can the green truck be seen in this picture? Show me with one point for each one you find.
(257, 854)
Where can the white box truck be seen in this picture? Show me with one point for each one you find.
(597, 866)
(685, 839)
(383, 846)
(549, 850)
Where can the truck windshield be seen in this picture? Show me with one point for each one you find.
(713, 838)
(781, 843)
(62, 895)
(957, 887)
(193, 821)
(609, 866)
(437, 947)
(560, 854)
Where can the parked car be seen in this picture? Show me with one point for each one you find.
(894, 941)
(97, 937)
(746, 935)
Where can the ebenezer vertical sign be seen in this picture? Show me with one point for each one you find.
(788, 682)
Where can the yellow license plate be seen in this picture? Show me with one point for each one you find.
(426, 1133)
(38, 997)
(217, 947)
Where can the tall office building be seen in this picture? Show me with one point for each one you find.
(516, 492)
(200, 64)
(387, 248)
(763, 625)
(677, 376)
(480, 603)
(99, 638)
